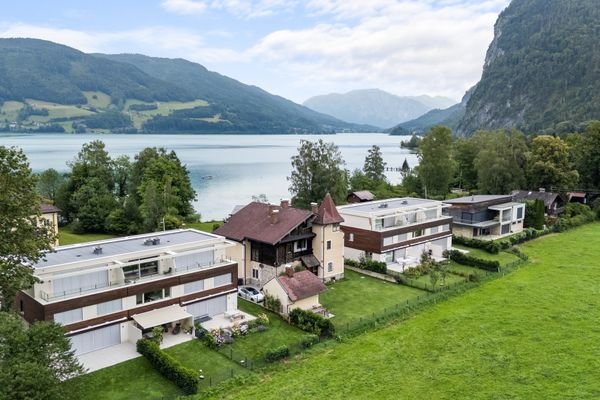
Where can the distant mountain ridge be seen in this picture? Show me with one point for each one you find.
(375, 106)
(449, 117)
(46, 86)
(541, 70)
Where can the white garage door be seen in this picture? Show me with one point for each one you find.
(96, 339)
(210, 307)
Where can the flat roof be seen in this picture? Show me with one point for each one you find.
(121, 246)
(384, 206)
(504, 205)
(477, 198)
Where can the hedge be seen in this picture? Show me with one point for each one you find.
(369, 265)
(277, 354)
(185, 378)
(465, 259)
(311, 322)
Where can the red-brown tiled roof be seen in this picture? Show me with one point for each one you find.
(49, 208)
(254, 222)
(364, 195)
(328, 213)
(301, 285)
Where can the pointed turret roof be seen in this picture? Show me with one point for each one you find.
(328, 213)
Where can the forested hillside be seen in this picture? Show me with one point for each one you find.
(542, 69)
(47, 87)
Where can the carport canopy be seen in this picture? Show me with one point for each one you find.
(161, 316)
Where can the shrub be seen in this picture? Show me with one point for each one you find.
(309, 341)
(487, 245)
(262, 319)
(311, 322)
(272, 303)
(185, 378)
(465, 259)
(277, 354)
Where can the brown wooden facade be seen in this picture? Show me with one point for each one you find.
(372, 241)
(32, 310)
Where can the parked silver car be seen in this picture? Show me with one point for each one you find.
(250, 293)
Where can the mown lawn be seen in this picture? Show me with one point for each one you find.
(451, 279)
(255, 345)
(358, 296)
(67, 236)
(503, 257)
(533, 334)
(133, 379)
(197, 356)
(454, 266)
(207, 226)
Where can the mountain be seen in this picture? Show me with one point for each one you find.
(47, 71)
(449, 117)
(46, 86)
(248, 108)
(374, 106)
(541, 71)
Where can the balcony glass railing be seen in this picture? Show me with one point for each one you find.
(128, 281)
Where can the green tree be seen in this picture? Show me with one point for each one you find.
(436, 166)
(93, 203)
(501, 161)
(374, 167)
(24, 236)
(318, 168)
(587, 152)
(464, 154)
(35, 361)
(48, 184)
(539, 220)
(549, 165)
(405, 169)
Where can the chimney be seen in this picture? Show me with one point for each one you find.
(289, 271)
(314, 207)
(542, 190)
(285, 203)
(274, 216)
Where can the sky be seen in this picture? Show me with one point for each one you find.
(292, 48)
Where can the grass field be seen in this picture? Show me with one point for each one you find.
(67, 236)
(503, 257)
(204, 226)
(533, 334)
(164, 108)
(357, 296)
(133, 379)
(10, 110)
(97, 99)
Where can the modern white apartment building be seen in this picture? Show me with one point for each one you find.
(112, 291)
(396, 231)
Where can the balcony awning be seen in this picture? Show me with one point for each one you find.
(161, 316)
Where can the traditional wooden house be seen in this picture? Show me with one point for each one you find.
(554, 204)
(360, 196)
(270, 237)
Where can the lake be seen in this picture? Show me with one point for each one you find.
(240, 165)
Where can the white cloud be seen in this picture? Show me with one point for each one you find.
(406, 47)
(244, 9)
(184, 6)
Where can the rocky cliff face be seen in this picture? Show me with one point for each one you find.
(541, 70)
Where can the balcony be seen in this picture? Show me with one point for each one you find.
(477, 224)
(82, 291)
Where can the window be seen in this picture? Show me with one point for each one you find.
(300, 245)
(378, 224)
(418, 233)
(221, 280)
(109, 307)
(255, 273)
(21, 307)
(148, 297)
(329, 245)
(434, 229)
(255, 254)
(351, 237)
(195, 286)
(329, 267)
(67, 317)
(388, 240)
(335, 227)
(141, 270)
(520, 213)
